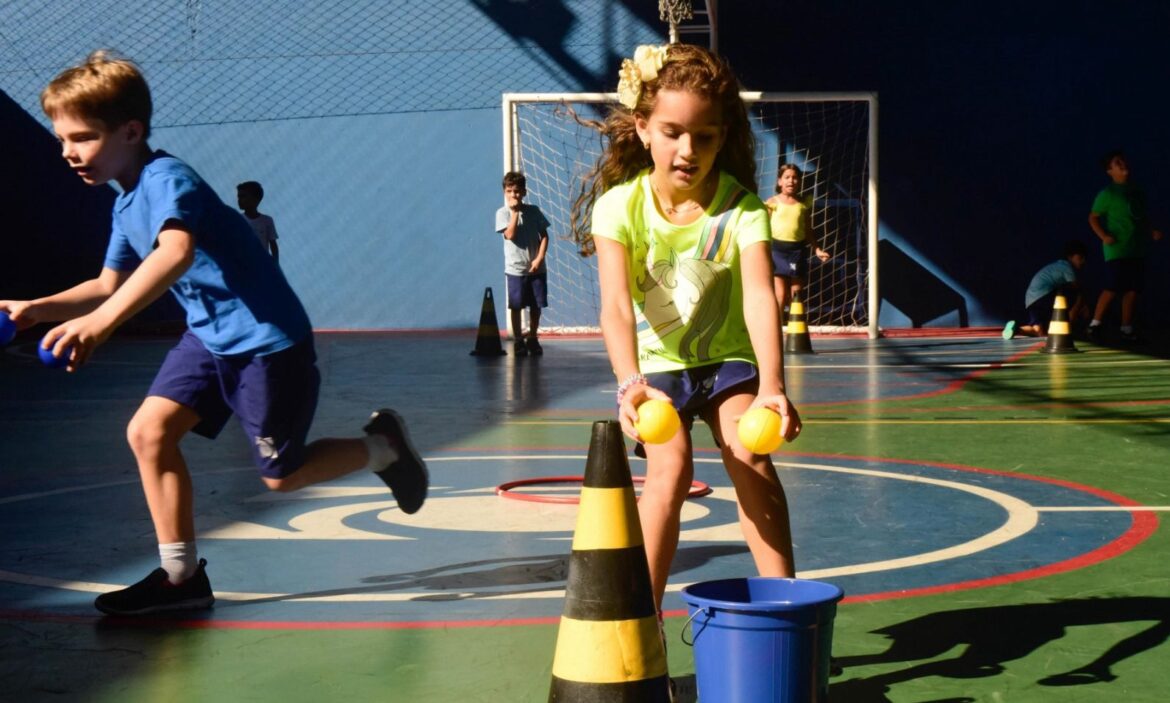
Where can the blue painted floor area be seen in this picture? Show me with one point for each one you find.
(74, 523)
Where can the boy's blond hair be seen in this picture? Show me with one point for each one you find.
(104, 87)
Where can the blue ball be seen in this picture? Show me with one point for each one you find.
(54, 362)
(7, 328)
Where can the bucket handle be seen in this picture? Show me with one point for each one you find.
(683, 633)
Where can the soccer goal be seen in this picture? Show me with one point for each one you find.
(832, 137)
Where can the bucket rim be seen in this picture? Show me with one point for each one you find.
(831, 595)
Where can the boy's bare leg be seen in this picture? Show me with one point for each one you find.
(517, 323)
(763, 507)
(1103, 304)
(325, 460)
(533, 321)
(154, 434)
(669, 472)
(1128, 307)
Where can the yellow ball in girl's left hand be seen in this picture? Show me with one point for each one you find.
(657, 421)
(759, 430)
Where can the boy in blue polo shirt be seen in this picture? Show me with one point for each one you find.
(1056, 278)
(248, 349)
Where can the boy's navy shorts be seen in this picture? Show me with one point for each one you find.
(527, 291)
(1123, 275)
(274, 396)
(691, 390)
(1040, 312)
(789, 259)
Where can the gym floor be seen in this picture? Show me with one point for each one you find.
(992, 513)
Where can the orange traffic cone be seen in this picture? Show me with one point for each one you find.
(796, 339)
(608, 646)
(1060, 340)
(487, 340)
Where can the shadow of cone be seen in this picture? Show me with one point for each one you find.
(608, 645)
(1060, 340)
(796, 339)
(487, 340)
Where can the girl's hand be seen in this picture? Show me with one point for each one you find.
(84, 335)
(822, 254)
(628, 410)
(790, 424)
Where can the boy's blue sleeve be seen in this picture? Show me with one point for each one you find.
(120, 256)
(174, 196)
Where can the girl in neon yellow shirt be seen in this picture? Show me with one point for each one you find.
(792, 236)
(687, 306)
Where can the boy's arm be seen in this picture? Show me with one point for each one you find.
(540, 252)
(513, 220)
(1099, 229)
(79, 300)
(173, 254)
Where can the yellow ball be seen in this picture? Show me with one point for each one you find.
(657, 421)
(759, 430)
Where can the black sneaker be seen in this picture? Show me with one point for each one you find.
(1093, 333)
(407, 476)
(155, 594)
(1129, 338)
(534, 347)
(519, 349)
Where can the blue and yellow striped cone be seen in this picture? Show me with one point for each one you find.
(608, 647)
(487, 340)
(1060, 339)
(796, 339)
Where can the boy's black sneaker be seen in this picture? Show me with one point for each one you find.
(155, 594)
(1093, 332)
(1129, 338)
(534, 347)
(407, 476)
(519, 349)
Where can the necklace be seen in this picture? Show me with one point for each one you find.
(675, 210)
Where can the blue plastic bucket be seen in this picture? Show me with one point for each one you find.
(762, 640)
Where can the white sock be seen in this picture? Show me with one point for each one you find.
(380, 452)
(179, 560)
(1095, 323)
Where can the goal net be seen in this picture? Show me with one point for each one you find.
(831, 137)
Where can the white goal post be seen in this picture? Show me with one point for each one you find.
(832, 137)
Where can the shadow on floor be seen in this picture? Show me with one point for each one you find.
(994, 636)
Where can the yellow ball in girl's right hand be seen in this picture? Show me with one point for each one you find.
(657, 421)
(759, 430)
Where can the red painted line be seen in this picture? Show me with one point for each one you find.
(1144, 525)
